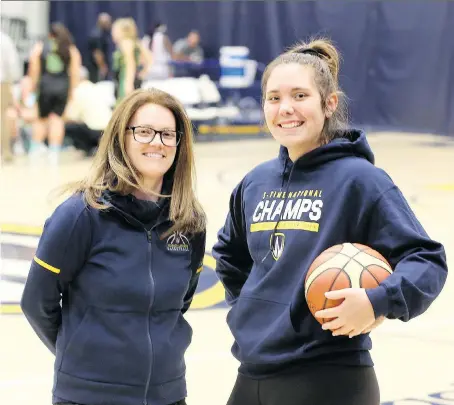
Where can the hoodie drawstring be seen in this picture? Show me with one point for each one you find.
(282, 212)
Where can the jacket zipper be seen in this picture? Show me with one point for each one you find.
(150, 252)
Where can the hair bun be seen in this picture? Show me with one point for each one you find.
(322, 48)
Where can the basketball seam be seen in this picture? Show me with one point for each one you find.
(353, 257)
(369, 248)
(364, 268)
(378, 283)
(335, 278)
(350, 257)
(326, 299)
(356, 261)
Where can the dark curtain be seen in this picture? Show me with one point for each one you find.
(397, 57)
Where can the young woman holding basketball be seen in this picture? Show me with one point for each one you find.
(118, 263)
(322, 190)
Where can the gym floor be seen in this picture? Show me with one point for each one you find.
(414, 360)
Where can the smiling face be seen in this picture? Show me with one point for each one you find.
(153, 159)
(293, 108)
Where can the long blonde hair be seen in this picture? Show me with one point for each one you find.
(113, 170)
(127, 27)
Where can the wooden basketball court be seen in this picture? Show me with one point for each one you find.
(414, 361)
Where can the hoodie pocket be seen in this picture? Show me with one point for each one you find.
(263, 331)
(171, 335)
(108, 347)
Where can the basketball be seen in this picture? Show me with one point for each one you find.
(349, 265)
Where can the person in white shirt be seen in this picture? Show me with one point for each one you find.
(160, 46)
(88, 114)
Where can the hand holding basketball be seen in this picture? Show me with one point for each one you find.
(354, 315)
(336, 283)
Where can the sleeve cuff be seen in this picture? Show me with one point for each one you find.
(378, 297)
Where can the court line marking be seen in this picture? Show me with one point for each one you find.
(19, 229)
(205, 299)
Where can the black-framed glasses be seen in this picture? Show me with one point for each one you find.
(146, 135)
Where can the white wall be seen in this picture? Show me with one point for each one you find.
(36, 16)
(36, 13)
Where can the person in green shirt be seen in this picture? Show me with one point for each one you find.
(131, 61)
(54, 67)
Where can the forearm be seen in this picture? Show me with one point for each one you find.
(43, 312)
(99, 59)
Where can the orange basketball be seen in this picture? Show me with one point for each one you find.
(350, 265)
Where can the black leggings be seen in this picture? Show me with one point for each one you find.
(317, 385)
(182, 402)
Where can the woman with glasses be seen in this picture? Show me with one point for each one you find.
(123, 254)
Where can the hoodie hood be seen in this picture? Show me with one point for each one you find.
(346, 143)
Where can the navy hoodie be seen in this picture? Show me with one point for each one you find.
(119, 334)
(331, 195)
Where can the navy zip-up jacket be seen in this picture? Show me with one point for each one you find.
(282, 216)
(119, 334)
